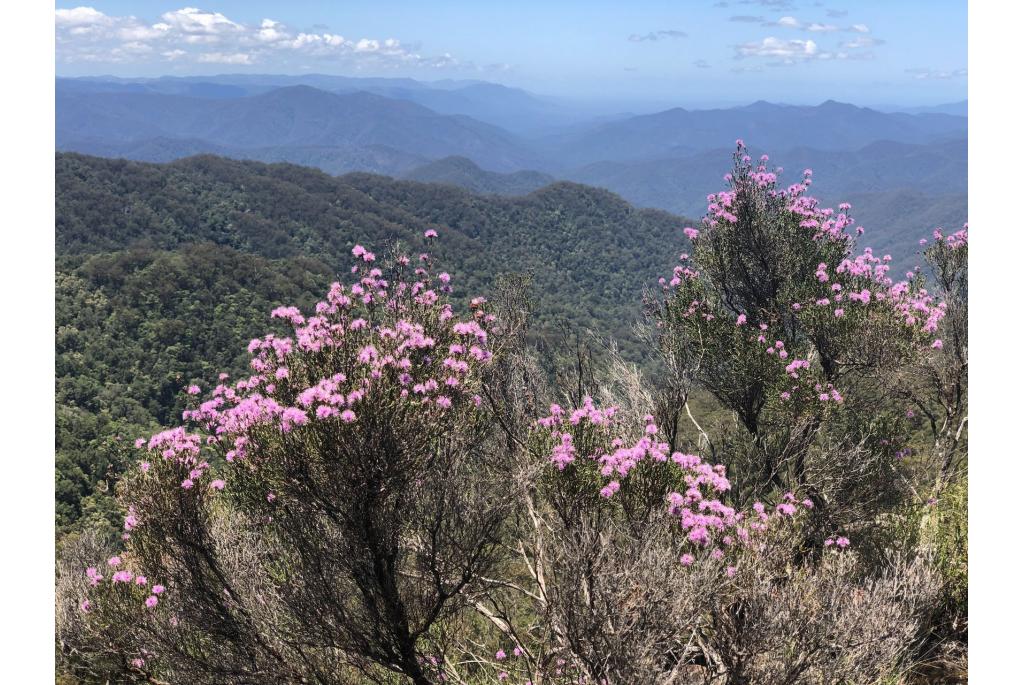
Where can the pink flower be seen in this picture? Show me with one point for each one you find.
(86, 606)
(348, 416)
(152, 601)
(937, 345)
(114, 561)
(741, 319)
(518, 651)
(193, 390)
(842, 543)
(217, 484)
(686, 559)
(731, 571)
(144, 466)
(691, 233)
(430, 233)
(500, 654)
(158, 589)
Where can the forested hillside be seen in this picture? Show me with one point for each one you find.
(163, 270)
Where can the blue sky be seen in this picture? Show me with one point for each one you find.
(691, 53)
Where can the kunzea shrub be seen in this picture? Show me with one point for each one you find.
(625, 547)
(321, 514)
(799, 339)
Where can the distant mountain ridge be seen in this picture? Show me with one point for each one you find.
(293, 116)
(430, 123)
(680, 183)
(828, 126)
(511, 108)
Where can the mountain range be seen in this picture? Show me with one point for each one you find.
(492, 139)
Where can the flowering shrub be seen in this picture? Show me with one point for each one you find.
(340, 492)
(776, 318)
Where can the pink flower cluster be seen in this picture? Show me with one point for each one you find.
(122, 576)
(590, 438)
(393, 341)
(398, 337)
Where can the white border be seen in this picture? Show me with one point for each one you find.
(27, 386)
(26, 177)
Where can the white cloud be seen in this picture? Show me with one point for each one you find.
(783, 51)
(141, 32)
(79, 16)
(137, 46)
(790, 22)
(193, 34)
(193, 20)
(270, 31)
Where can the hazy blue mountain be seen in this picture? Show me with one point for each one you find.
(461, 172)
(511, 108)
(295, 116)
(680, 184)
(955, 108)
(422, 122)
(894, 221)
(829, 126)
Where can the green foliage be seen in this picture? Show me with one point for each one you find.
(951, 545)
(134, 329)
